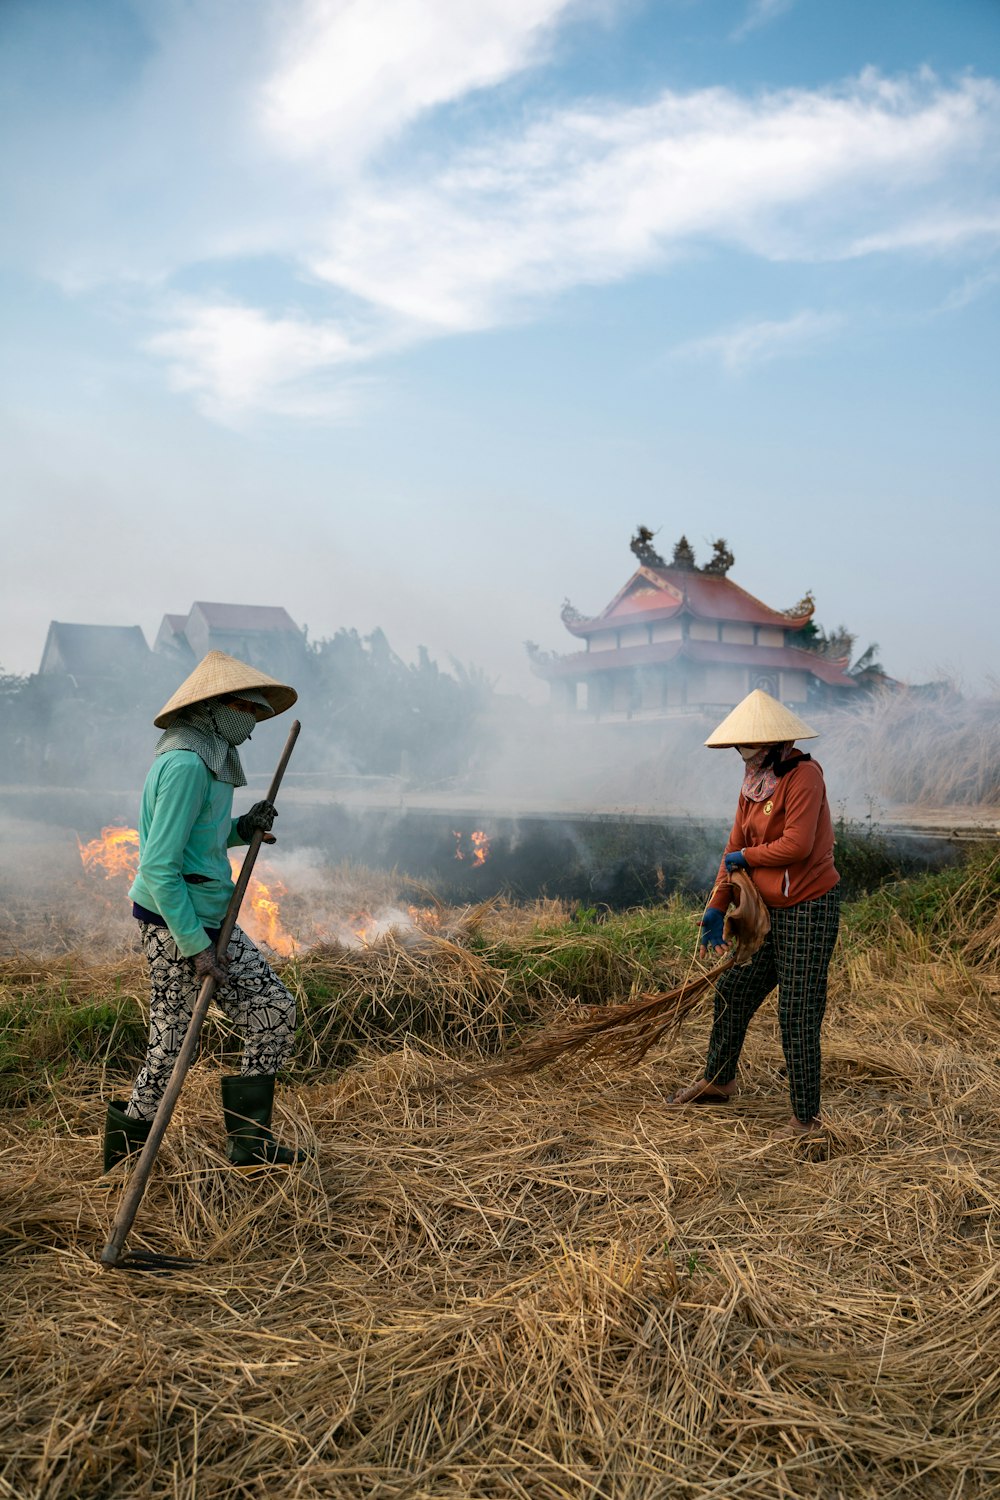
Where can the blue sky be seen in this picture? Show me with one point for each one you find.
(405, 313)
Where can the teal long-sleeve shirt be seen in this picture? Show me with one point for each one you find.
(186, 825)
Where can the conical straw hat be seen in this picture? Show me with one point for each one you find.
(218, 675)
(759, 720)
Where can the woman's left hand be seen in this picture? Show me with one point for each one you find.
(736, 861)
(712, 936)
(260, 818)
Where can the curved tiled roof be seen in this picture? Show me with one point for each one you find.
(662, 593)
(585, 663)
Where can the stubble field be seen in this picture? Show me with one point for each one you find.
(559, 1287)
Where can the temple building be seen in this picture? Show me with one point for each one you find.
(679, 638)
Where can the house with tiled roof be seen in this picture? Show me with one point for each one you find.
(171, 640)
(89, 653)
(678, 637)
(264, 635)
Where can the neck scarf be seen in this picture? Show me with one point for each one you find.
(212, 731)
(760, 777)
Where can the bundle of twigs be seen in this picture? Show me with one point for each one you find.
(629, 1031)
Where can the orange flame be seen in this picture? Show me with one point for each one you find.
(116, 852)
(363, 926)
(260, 916)
(427, 917)
(481, 846)
(362, 929)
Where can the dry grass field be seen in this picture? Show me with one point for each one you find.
(553, 1289)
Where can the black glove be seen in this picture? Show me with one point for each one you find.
(259, 818)
(206, 962)
(736, 861)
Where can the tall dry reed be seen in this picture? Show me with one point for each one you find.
(908, 748)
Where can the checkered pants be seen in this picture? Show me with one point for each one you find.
(795, 956)
(253, 998)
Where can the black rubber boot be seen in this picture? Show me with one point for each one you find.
(247, 1103)
(123, 1136)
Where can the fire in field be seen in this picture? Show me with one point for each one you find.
(476, 849)
(114, 855)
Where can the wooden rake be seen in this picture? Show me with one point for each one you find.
(114, 1256)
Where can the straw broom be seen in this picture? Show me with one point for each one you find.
(628, 1031)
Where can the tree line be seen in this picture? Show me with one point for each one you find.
(366, 710)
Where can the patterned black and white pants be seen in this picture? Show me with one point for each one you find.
(253, 998)
(795, 956)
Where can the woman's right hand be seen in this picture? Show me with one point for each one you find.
(712, 938)
(207, 962)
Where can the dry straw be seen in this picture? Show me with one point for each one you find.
(629, 1031)
(562, 1288)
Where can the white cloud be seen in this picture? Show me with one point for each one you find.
(757, 343)
(971, 289)
(946, 230)
(355, 72)
(236, 360)
(483, 232)
(234, 129)
(594, 196)
(761, 13)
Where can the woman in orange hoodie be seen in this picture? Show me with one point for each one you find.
(782, 836)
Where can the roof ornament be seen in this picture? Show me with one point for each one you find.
(569, 614)
(721, 560)
(540, 659)
(683, 555)
(642, 545)
(805, 606)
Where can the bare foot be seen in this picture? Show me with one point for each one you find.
(703, 1092)
(797, 1129)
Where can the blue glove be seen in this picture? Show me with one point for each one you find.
(712, 929)
(736, 861)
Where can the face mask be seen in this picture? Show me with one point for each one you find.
(233, 724)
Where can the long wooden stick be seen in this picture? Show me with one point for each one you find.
(140, 1174)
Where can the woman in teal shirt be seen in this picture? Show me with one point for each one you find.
(180, 895)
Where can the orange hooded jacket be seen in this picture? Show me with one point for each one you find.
(787, 840)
